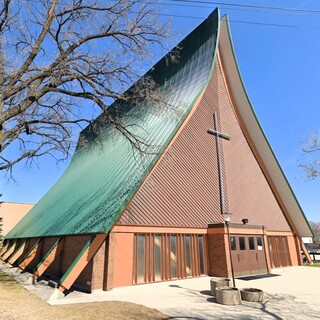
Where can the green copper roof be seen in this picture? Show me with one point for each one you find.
(102, 177)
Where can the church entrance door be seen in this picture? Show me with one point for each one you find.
(248, 255)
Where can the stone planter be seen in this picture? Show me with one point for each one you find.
(228, 295)
(218, 282)
(252, 294)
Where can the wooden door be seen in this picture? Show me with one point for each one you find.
(257, 255)
(248, 255)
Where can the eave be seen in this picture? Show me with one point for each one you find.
(256, 137)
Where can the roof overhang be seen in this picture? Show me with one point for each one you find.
(257, 136)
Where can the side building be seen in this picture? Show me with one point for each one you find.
(118, 217)
(11, 213)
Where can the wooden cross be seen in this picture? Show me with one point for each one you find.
(215, 131)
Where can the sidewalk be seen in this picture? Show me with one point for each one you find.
(291, 293)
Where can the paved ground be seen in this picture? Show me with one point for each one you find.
(292, 293)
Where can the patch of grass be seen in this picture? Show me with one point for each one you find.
(315, 264)
(17, 303)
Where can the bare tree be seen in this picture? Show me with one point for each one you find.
(1, 225)
(1, 237)
(311, 152)
(315, 226)
(62, 63)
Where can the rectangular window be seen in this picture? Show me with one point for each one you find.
(273, 262)
(173, 256)
(168, 256)
(188, 256)
(233, 243)
(251, 243)
(242, 243)
(201, 255)
(259, 243)
(147, 257)
(140, 259)
(157, 259)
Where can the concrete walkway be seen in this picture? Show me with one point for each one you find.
(291, 293)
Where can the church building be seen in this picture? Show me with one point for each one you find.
(119, 217)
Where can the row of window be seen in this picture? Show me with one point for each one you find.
(254, 243)
(160, 257)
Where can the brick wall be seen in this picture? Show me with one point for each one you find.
(217, 255)
(71, 248)
(98, 271)
(84, 281)
(27, 248)
(47, 244)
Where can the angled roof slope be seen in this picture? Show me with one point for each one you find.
(251, 122)
(102, 178)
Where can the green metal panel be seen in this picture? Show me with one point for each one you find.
(103, 176)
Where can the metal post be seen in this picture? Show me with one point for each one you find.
(228, 232)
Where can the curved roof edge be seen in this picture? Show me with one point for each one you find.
(256, 132)
(180, 123)
(65, 214)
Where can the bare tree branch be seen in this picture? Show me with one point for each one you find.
(64, 62)
(315, 226)
(311, 153)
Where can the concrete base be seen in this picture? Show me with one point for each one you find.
(252, 294)
(218, 282)
(228, 296)
(30, 279)
(55, 296)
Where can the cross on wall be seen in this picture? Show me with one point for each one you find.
(215, 131)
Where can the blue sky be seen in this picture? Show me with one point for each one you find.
(281, 71)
